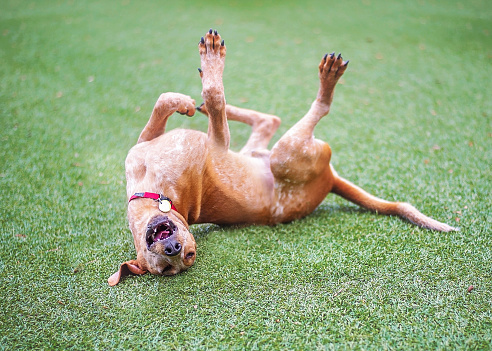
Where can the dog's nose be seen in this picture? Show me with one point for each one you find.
(172, 247)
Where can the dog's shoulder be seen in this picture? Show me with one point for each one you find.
(170, 153)
(175, 141)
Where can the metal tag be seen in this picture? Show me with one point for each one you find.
(164, 205)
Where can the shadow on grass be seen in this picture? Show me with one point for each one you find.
(325, 209)
(201, 231)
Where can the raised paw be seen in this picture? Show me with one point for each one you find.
(332, 67)
(186, 106)
(203, 109)
(212, 56)
(165, 106)
(212, 51)
(211, 43)
(180, 103)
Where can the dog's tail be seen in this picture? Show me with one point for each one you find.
(353, 193)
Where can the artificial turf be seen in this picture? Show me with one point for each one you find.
(411, 121)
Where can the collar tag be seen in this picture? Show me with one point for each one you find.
(165, 205)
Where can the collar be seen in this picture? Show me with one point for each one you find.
(165, 203)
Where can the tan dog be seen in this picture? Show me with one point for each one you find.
(205, 182)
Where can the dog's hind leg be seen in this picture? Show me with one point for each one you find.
(298, 156)
(331, 68)
(212, 56)
(263, 126)
(166, 105)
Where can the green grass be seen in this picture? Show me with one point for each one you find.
(411, 121)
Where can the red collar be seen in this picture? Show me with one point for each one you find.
(157, 197)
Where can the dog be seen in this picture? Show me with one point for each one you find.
(184, 177)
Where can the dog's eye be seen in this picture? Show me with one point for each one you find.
(190, 254)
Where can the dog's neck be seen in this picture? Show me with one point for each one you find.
(165, 204)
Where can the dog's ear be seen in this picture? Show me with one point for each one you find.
(126, 268)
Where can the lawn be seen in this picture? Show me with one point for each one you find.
(411, 121)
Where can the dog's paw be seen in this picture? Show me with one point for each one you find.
(177, 102)
(332, 67)
(186, 106)
(212, 45)
(203, 109)
(212, 55)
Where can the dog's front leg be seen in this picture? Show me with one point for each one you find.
(166, 105)
(212, 56)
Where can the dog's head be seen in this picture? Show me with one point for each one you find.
(163, 242)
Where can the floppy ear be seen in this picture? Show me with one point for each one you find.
(126, 268)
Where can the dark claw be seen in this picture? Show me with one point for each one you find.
(215, 32)
(200, 70)
(346, 63)
(199, 108)
(222, 43)
(210, 31)
(324, 57)
(202, 40)
(332, 55)
(339, 56)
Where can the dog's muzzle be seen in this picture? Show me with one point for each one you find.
(162, 230)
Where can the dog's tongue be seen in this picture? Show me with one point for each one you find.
(164, 234)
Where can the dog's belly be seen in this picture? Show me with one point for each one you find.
(238, 189)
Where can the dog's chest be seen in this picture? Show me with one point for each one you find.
(164, 162)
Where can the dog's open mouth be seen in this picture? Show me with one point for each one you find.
(159, 229)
